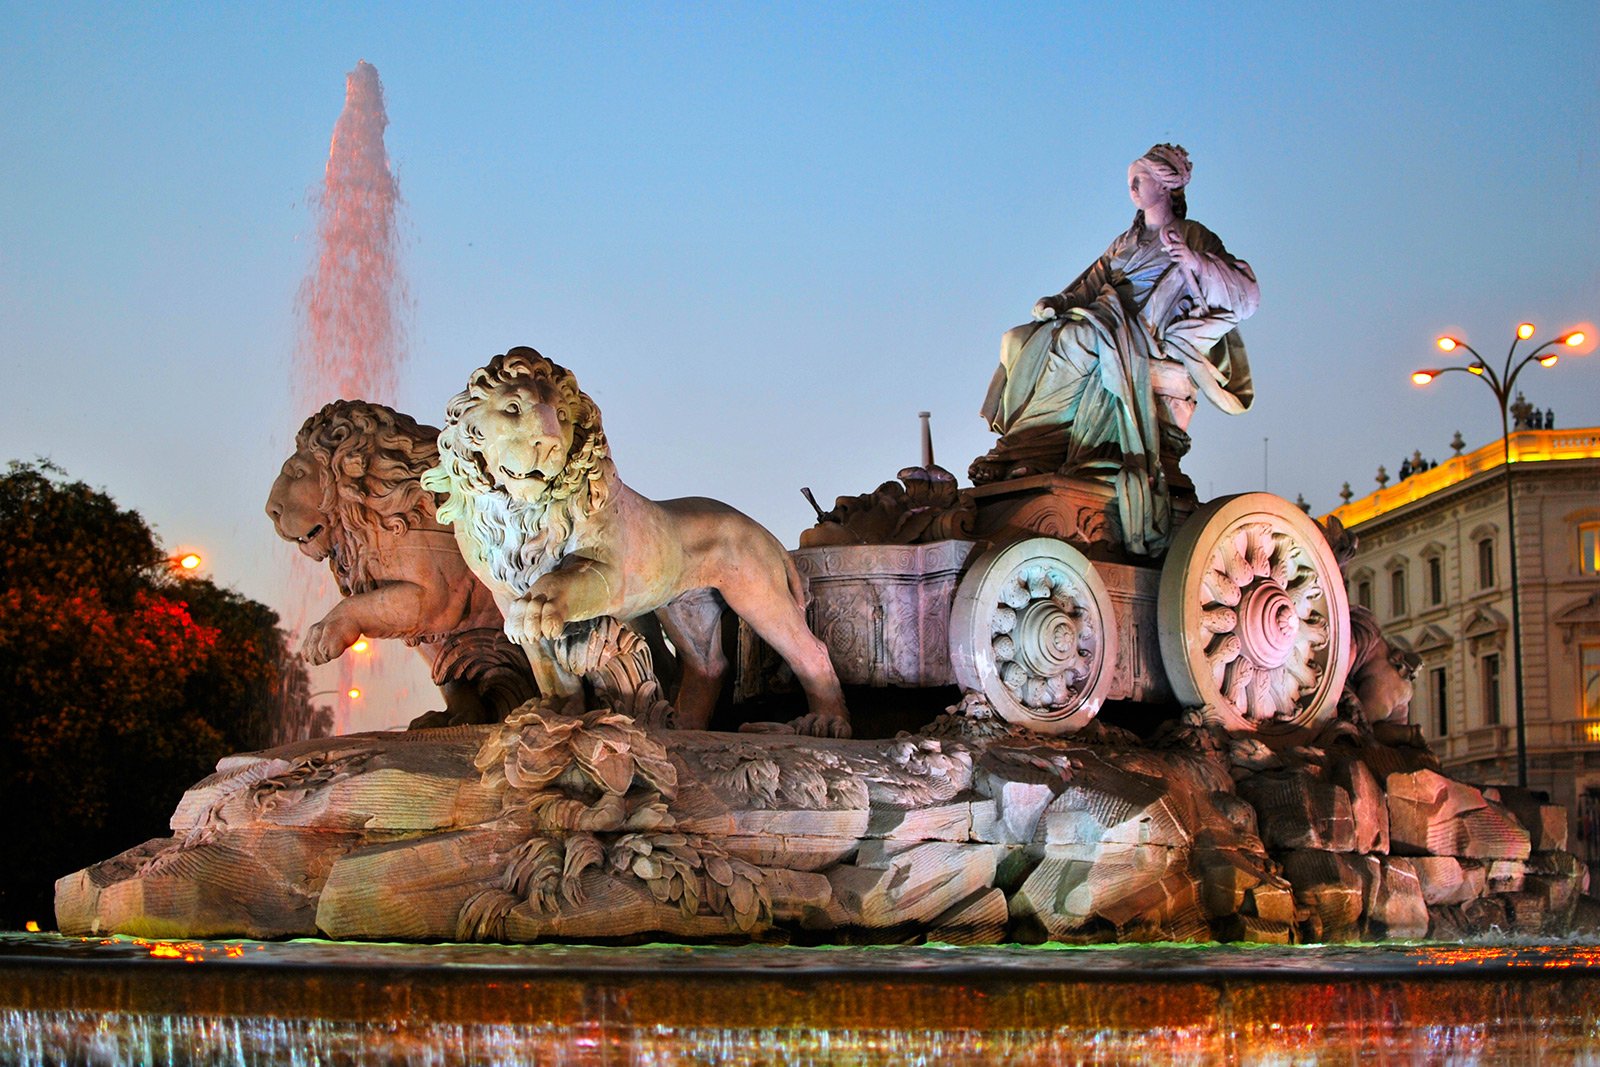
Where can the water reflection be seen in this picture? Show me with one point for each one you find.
(124, 1000)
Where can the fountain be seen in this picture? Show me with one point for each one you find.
(352, 341)
(834, 890)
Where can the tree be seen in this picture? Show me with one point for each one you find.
(122, 684)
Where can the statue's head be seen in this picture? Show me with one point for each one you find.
(1162, 171)
(354, 475)
(523, 428)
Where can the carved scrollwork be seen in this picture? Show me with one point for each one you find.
(1033, 630)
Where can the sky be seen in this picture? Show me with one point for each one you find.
(765, 236)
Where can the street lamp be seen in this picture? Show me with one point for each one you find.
(187, 562)
(353, 693)
(1501, 383)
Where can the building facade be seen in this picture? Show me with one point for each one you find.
(1433, 564)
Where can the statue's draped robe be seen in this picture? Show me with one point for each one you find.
(1075, 392)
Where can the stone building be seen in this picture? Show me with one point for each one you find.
(1434, 565)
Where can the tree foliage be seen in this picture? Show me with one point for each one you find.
(120, 683)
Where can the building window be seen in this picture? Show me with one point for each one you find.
(1397, 592)
(1486, 563)
(1491, 689)
(1589, 683)
(1589, 548)
(1364, 593)
(1435, 580)
(1439, 682)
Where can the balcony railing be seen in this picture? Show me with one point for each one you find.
(1527, 446)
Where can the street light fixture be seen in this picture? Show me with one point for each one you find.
(1501, 384)
(353, 693)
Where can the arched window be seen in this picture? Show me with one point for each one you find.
(1486, 563)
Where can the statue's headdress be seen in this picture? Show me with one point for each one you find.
(1170, 165)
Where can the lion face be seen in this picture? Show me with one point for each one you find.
(295, 506)
(522, 432)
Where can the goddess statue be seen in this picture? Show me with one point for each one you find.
(1103, 382)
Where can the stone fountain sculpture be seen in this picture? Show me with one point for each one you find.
(1283, 799)
(1103, 383)
(544, 521)
(351, 494)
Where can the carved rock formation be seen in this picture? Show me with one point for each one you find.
(583, 826)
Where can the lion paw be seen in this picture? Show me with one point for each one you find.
(326, 641)
(822, 724)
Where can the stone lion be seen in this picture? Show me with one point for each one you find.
(543, 519)
(351, 494)
(1381, 674)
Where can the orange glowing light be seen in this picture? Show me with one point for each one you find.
(1525, 330)
(1548, 361)
(1574, 339)
(1423, 377)
(31, 926)
(190, 561)
(353, 693)
(1448, 344)
(1476, 368)
(360, 645)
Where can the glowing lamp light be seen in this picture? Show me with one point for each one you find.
(1525, 330)
(1448, 344)
(1423, 377)
(190, 561)
(1548, 361)
(353, 693)
(360, 645)
(31, 926)
(1476, 368)
(1574, 339)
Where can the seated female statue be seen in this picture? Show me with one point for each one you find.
(1105, 379)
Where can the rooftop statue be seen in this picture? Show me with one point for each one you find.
(350, 494)
(543, 520)
(1103, 382)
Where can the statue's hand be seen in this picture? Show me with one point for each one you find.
(543, 613)
(1045, 309)
(1185, 257)
(534, 618)
(326, 641)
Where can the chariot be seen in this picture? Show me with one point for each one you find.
(1044, 615)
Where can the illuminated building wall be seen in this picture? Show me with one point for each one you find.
(1434, 565)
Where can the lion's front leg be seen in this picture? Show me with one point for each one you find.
(581, 589)
(326, 640)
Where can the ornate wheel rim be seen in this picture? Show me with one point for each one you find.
(1032, 629)
(1255, 624)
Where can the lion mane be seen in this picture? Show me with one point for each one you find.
(521, 541)
(369, 462)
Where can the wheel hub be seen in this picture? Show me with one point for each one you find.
(1267, 624)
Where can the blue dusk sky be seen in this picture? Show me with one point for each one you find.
(765, 236)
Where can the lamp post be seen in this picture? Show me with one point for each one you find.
(1501, 383)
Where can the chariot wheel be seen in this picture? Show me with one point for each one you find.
(1032, 629)
(1254, 621)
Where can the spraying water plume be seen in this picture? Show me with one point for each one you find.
(352, 340)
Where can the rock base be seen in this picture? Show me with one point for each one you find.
(549, 827)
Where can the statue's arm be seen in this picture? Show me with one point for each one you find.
(583, 587)
(1227, 286)
(393, 609)
(1080, 293)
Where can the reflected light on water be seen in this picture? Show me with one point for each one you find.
(143, 1000)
